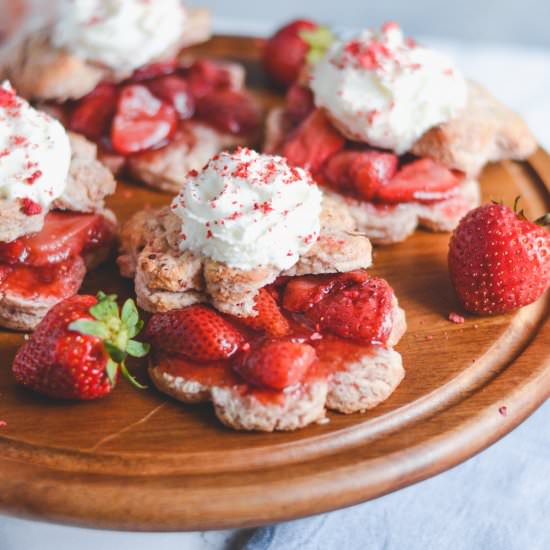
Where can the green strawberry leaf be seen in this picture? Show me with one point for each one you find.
(116, 330)
(126, 373)
(90, 328)
(319, 41)
(543, 220)
(138, 327)
(106, 307)
(130, 315)
(137, 349)
(111, 369)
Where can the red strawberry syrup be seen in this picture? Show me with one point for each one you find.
(333, 354)
(50, 264)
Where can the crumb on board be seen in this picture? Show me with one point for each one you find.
(456, 318)
(503, 410)
(3, 423)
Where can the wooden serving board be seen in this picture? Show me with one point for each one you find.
(137, 460)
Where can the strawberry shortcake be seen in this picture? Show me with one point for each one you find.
(260, 297)
(118, 73)
(53, 221)
(394, 131)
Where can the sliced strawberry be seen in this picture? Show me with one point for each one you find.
(302, 293)
(276, 364)
(175, 91)
(64, 235)
(336, 172)
(206, 76)
(364, 171)
(269, 319)
(155, 70)
(94, 113)
(313, 142)
(285, 52)
(371, 170)
(58, 281)
(299, 103)
(362, 311)
(230, 111)
(196, 332)
(423, 181)
(142, 121)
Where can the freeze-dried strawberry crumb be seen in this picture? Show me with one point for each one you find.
(456, 318)
(503, 410)
(30, 208)
(33, 177)
(3, 423)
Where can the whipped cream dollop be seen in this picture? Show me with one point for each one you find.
(249, 210)
(121, 34)
(35, 153)
(385, 90)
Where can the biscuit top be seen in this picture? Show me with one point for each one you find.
(120, 34)
(248, 210)
(383, 89)
(35, 154)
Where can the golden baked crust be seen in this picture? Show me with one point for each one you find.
(485, 131)
(164, 274)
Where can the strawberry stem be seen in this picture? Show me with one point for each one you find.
(543, 220)
(319, 41)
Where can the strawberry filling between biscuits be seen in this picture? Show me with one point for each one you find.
(307, 328)
(145, 112)
(51, 263)
(355, 169)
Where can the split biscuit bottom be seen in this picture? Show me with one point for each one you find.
(359, 386)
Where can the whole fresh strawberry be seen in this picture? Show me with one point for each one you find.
(287, 51)
(498, 260)
(79, 349)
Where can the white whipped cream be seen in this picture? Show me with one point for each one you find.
(121, 34)
(383, 89)
(35, 152)
(249, 210)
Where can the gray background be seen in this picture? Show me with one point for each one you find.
(520, 21)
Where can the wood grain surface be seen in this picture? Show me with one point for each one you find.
(137, 460)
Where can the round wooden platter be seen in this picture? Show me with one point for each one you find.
(137, 460)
